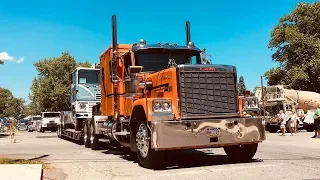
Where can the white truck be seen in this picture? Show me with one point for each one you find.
(279, 97)
(49, 121)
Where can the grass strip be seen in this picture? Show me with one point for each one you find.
(22, 161)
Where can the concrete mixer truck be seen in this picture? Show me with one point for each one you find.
(279, 97)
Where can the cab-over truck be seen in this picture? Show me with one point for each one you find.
(153, 100)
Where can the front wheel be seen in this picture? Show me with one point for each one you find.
(241, 153)
(148, 157)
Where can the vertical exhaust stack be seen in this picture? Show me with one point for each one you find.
(114, 35)
(188, 39)
(114, 48)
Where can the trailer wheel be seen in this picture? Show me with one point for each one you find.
(94, 138)
(86, 134)
(241, 153)
(148, 157)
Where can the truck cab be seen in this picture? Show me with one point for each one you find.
(85, 92)
(49, 121)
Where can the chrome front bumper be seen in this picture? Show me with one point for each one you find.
(189, 134)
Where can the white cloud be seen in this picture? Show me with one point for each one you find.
(20, 60)
(5, 57)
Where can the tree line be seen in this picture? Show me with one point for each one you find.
(50, 89)
(295, 39)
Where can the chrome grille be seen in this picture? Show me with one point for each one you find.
(98, 96)
(207, 92)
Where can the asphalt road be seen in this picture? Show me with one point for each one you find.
(289, 157)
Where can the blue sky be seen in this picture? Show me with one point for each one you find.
(233, 32)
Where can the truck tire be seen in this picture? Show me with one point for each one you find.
(59, 131)
(86, 134)
(241, 153)
(94, 138)
(309, 128)
(79, 124)
(147, 157)
(273, 129)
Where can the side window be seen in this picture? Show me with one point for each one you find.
(127, 62)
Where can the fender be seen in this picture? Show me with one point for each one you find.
(148, 109)
(147, 106)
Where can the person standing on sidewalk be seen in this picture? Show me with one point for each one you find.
(293, 122)
(317, 123)
(283, 123)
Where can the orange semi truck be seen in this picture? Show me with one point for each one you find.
(154, 100)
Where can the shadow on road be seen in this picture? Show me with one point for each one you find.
(48, 136)
(4, 135)
(180, 159)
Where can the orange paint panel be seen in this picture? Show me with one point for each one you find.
(107, 97)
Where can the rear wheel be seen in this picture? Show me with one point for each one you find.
(241, 153)
(148, 157)
(86, 134)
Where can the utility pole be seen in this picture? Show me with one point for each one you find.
(262, 96)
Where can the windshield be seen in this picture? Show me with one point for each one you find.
(274, 110)
(158, 61)
(88, 76)
(51, 114)
(36, 118)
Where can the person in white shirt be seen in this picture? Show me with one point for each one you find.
(283, 123)
(293, 122)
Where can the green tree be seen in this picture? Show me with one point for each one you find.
(241, 86)
(296, 39)
(50, 90)
(84, 64)
(10, 105)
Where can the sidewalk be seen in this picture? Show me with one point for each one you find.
(21, 171)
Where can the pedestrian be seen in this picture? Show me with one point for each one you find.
(317, 123)
(282, 122)
(293, 122)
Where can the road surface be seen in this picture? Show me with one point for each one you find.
(289, 157)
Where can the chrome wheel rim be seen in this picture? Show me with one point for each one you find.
(142, 140)
(91, 134)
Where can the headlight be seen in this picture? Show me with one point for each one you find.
(82, 106)
(250, 103)
(161, 105)
(253, 103)
(246, 103)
